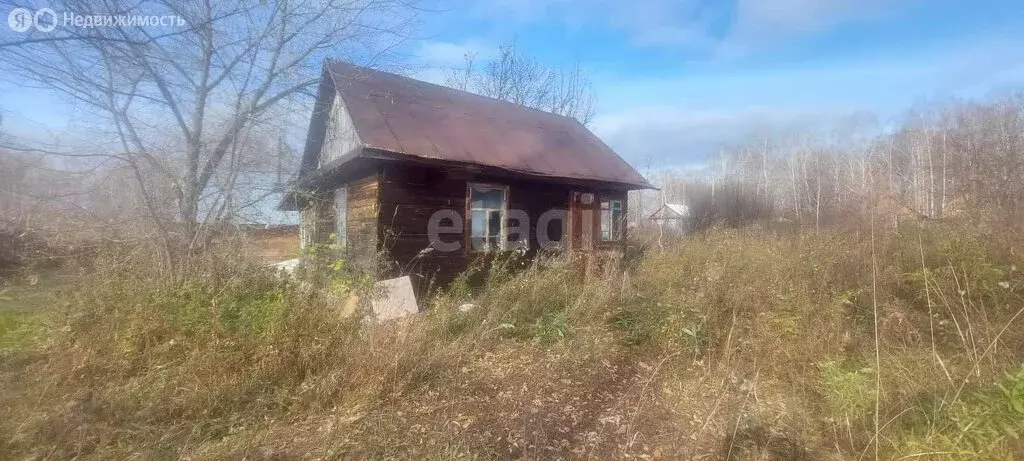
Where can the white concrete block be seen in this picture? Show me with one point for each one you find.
(393, 298)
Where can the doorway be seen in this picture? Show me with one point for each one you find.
(582, 219)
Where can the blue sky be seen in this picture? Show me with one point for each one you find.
(677, 79)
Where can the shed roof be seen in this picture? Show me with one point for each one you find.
(421, 120)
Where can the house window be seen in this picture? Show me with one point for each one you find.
(487, 217)
(611, 220)
(341, 216)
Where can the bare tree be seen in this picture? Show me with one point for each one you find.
(187, 103)
(514, 77)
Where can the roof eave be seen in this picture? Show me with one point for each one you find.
(293, 197)
(385, 154)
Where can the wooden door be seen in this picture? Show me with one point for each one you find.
(583, 213)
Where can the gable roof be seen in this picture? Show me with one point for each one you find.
(420, 120)
(671, 211)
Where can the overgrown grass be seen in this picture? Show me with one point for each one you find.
(729, 344)
(18, 330)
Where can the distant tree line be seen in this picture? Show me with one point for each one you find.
(957, 158)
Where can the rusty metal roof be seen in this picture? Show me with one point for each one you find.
(419, 119)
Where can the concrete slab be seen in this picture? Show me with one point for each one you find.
(393, 298)
(287, 266)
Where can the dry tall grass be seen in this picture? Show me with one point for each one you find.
(741, 344)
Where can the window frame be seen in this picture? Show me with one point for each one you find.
(502, 232)
(614, 231)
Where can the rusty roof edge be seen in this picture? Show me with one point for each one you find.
(293, 191)
(446, 88)
(309, 146)
(336, 70)
(624, 162)
(631, 185)
(291, 199)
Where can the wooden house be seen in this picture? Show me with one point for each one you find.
(406, 176)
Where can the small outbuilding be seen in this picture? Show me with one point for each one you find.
(672, 218)
(407, 177)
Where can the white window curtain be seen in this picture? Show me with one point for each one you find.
(487, 217)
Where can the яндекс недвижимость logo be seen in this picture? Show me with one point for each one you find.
(46, 20)
(21, 19)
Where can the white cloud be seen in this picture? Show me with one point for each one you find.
(668, 35)
(515, 10)
(662, 22)
(723, 27)
(759, 21)
(449, 54)
(683, 118)
(434, 61)
(663, 136)
(798, 16)
(649, 22)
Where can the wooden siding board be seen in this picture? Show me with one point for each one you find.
(411, 194)
(362, 221)
(390, 207)
(318, 221)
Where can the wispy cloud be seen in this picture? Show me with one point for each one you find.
(666, 94)
(443, 53)
(435, 60)
(758, 19)
(663, 136)
(648, 22)
(684, 117)
(699, 24)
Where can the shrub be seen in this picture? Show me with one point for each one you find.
(728, 204)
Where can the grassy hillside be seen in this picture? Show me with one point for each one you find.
(732, 344)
